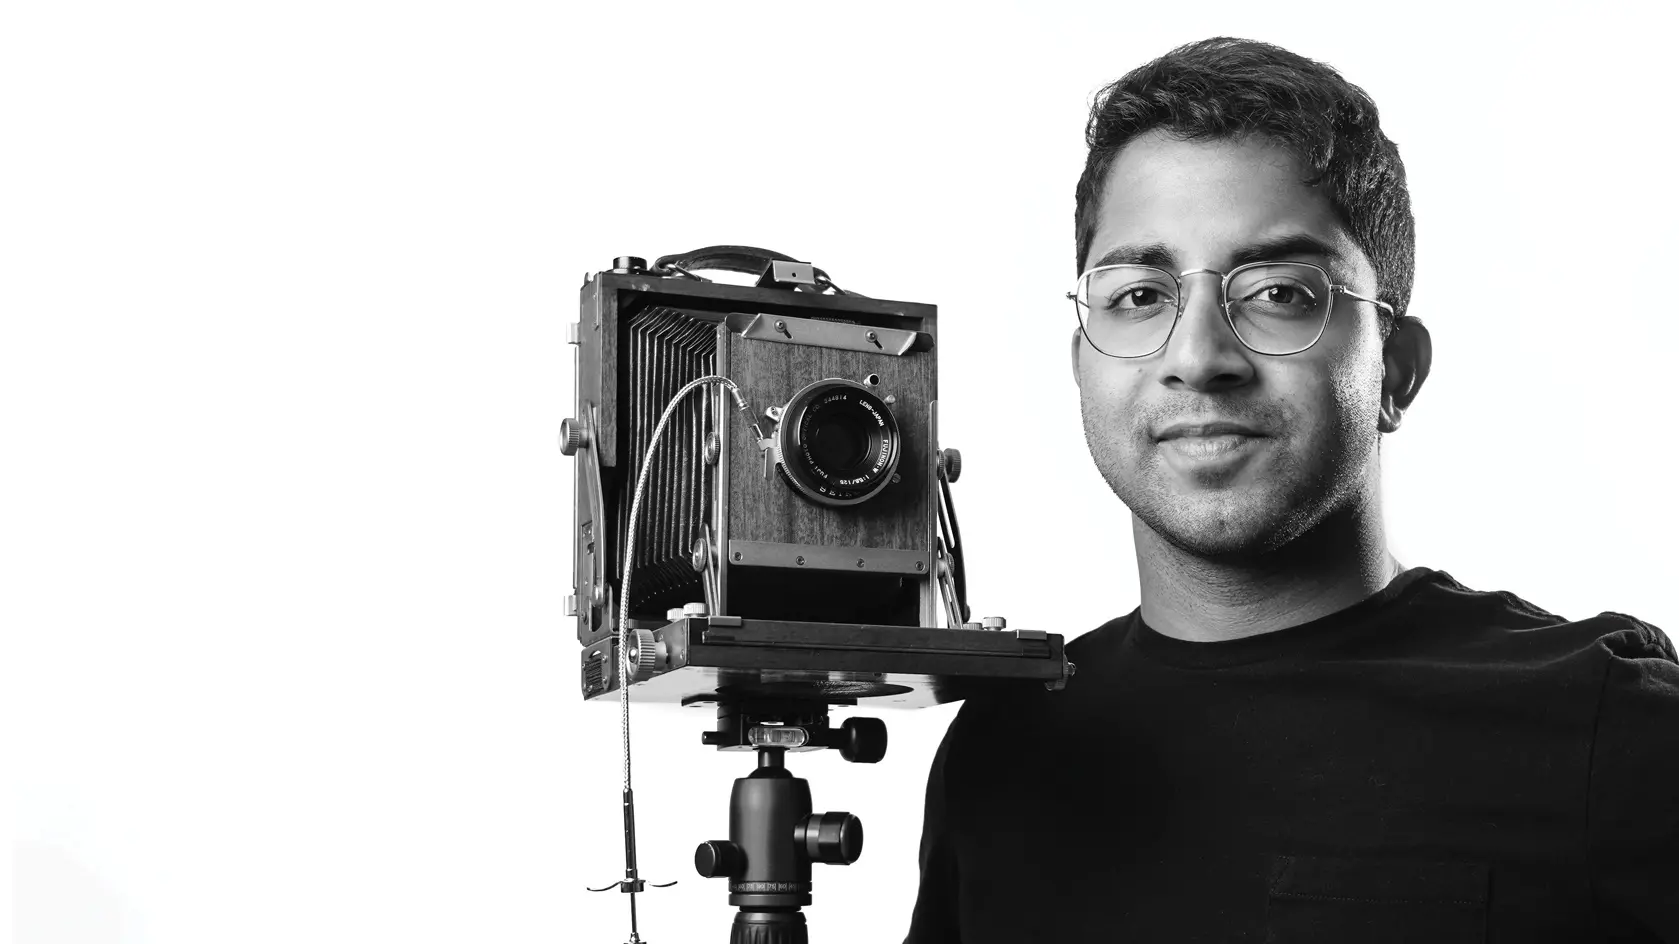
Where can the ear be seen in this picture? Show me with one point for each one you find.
(1078, 337)
(1405, 360)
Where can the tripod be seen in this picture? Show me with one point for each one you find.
(774, 838)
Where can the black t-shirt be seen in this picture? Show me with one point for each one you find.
(1432, 764)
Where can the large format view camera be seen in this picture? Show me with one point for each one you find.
(793, 544)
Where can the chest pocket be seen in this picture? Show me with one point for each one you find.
(1321, 899)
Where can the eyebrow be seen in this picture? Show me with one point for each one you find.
(1280, 247)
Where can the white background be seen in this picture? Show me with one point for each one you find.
(286, 528)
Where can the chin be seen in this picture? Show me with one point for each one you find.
(1227, 523)
(1216, 538)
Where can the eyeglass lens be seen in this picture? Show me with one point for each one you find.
(1276, 307)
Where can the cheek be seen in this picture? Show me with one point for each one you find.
(1107, 400)
(1354, 392)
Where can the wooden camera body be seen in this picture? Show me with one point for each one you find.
(725, 520)
(804, 549)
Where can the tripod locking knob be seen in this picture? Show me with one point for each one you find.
(718, 857)
(863, 740)
(830, 838)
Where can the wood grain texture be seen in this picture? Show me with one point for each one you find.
(763, 509)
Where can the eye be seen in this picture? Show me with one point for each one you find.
(1138, 297)
(1277, 295)
(1135, 293)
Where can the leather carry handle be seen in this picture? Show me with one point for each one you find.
(748, 259)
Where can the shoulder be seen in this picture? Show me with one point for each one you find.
(1640, 675)
(1634, 781)
(1504, 627)
(1021, 715)
(1628, 637)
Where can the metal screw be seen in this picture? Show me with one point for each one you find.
(859, 562)
(874, 339)
(920, 565)
(782, 327)
(800, 561)
(737, 555)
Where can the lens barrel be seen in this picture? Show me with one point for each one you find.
(839, 443)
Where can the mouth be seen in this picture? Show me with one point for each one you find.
(1209, 453)
(1212, 430)
(1209, 447)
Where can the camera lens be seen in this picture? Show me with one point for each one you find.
(839, 443)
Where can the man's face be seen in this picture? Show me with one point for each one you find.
(1312, 416)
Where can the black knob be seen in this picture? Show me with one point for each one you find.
(864, 740)
(952, 464)
(629, 264)
(718, 857)
(831, 838)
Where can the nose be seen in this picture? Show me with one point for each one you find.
(1203, 352)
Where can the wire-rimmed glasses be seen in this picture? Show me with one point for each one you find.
(1274, 308)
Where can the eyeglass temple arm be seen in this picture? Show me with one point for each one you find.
(1351, 294)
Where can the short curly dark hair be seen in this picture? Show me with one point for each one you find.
(1223, 89)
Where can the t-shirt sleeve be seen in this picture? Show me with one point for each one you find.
(935, 918)
(1632, 823)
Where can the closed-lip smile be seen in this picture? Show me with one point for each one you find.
(1216, 428)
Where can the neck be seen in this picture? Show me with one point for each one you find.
(1340, 562)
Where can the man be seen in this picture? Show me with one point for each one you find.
(1294, 737)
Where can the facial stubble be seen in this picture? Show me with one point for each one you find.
(1309, 473)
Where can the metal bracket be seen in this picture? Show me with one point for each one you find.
(788, 275)
(839, 335)
(827, 557)
(583, 437)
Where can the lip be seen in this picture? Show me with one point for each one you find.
(1206, 430)
(1210, 454)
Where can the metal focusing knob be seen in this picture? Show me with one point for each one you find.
(574, 435)
(950, 461)
(644, 654)
(623, 264)
(830, 838)
(994, 623)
